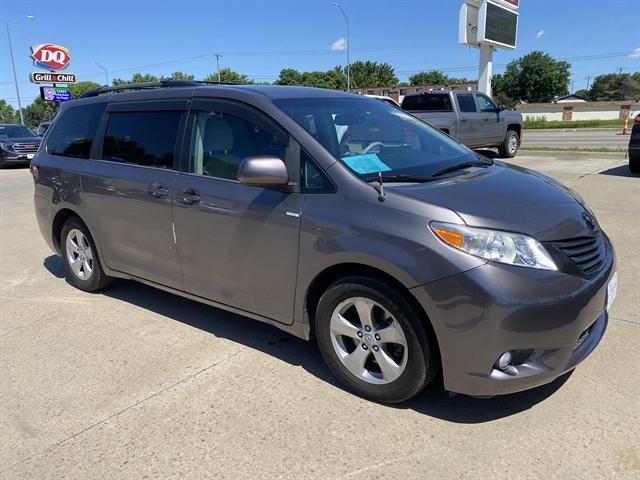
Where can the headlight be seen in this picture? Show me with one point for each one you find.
(503, 247)
(5, 146)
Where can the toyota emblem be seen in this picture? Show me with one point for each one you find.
(589, 221)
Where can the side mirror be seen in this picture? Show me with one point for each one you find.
(263, 172)
(500, 108)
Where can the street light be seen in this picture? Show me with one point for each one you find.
(106, 74)
(13, 63)
(346, 19)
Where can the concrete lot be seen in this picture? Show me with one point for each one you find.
(136, 383)
(586, 137)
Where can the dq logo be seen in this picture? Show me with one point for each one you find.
(50, 56)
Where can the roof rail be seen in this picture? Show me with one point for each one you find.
(168, 83)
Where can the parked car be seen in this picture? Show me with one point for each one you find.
(401, 251)
(42, 128)
(470, 117)
(634, 146)
(18, 144)
(383, 98)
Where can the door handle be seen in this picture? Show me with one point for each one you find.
(463, 119)
(157, 190)
(188, 196)
(486, 119)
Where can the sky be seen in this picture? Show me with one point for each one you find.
(260, 37)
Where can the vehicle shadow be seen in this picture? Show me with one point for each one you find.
(620, 171)
(434, 401)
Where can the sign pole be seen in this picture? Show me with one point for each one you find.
(486, 68)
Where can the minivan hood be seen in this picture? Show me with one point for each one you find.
(507, 198)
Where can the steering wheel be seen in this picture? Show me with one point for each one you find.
(371, 146)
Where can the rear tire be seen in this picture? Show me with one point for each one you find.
(509, 147)
(373, 341)
(80, 256)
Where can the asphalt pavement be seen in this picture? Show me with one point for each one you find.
(584, 137)
(136, 383)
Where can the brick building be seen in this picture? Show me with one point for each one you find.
(398, 92)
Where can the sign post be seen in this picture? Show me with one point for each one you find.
(488, 25)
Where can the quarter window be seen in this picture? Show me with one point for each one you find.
(221, 141)
(142, 138)
(74, 132)
(466, 103)
(486, 104)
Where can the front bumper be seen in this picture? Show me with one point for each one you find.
(16, 159)
(482, 313)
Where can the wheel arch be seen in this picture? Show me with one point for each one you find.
(336, 272)
(59, 220)
(516, 127)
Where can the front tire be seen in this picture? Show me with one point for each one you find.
(80, 256)
(510, 145)
(373, 341)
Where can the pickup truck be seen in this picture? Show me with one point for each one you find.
(470, 117)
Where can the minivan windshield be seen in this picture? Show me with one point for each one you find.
(15, 131)
(371, 137)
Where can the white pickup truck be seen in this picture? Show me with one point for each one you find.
(470, 117)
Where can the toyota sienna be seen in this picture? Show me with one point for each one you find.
(335, 217)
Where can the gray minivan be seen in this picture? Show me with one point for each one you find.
(333, 216)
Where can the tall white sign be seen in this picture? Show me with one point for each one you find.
(488, 25)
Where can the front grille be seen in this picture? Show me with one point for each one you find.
(25, 147)
(587, 253)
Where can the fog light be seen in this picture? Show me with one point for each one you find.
(504, 361)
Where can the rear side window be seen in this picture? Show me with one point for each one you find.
(466, 102)
(142, 138)
(74, 132)
(434, 102)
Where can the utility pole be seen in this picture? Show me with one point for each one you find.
(217, 55)
(13, 65)
(346, 19)
(588, 82)
(106, 74)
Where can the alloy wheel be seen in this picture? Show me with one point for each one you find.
(79, 254)
(369, 340)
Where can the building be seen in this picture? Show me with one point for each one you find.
(569, 98)
(398, 92)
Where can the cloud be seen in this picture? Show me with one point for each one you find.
(540, 34)
(635, 53)
(340, 44)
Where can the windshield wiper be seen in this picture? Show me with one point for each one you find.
(462, 165)
(397, 178)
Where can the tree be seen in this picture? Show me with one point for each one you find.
(78, 89)
(535, 77)
(372, 74)
(136, 78)
(39, 111)
(432, 77)
(289, 76)
(583, 92)
(229, 76)
(182, 76)
(615, 86)
(7, 113)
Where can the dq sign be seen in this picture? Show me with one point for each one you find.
(50, 57)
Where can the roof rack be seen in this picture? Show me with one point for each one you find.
(168, 83)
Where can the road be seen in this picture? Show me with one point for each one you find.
(137, 383)
(605, 137)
